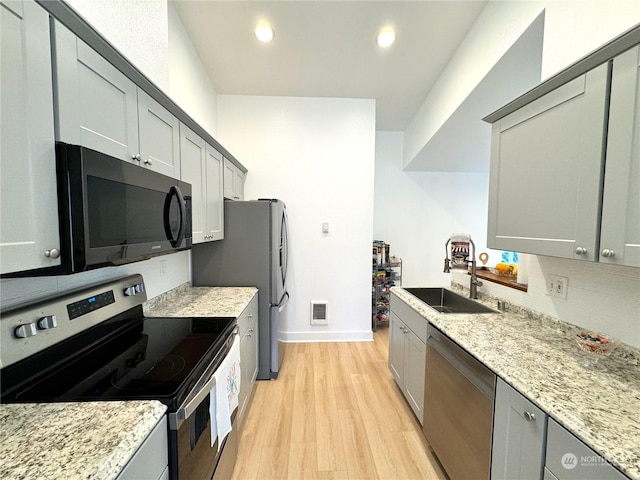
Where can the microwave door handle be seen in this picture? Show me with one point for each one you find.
(175, 191)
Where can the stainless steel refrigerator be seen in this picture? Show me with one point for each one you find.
(254, 253)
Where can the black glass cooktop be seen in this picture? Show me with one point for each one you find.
(127, 357)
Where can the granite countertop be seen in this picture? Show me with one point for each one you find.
(596, 398)
(188, 301)
(73, 441)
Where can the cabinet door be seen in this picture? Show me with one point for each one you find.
(159, 135)
(193, 171)
(151, 459)
(519, 429)
(570, 459)
(248, 329)
(215, 201)
(396, 348)
(238, 184)
(620, 232)
(546, 163)
(415, 356)
(27, 156)
(97, 104)
(229, 180)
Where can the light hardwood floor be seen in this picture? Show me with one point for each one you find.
(333, 413)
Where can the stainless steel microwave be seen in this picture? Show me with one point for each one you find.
(112, 212)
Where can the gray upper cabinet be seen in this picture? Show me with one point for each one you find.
(565, 169)
(214, 197)
(29, 236)
(233, 181)
(101, 108)
(620, 234)
(546, 161)
(201, 166)
(97, 104)
(519, 429)
(159, 135)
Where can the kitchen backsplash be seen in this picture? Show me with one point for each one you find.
(160, 275)
(603, 298)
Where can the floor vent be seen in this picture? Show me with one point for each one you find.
(319, 313)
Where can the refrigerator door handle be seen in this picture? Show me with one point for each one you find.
(283, 302)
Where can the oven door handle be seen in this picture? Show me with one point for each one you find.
(176, 419)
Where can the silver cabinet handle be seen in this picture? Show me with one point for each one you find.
(581, 251)
(148, 161)
(608, 253)
(136, 157)
(529, 417)
(53, 253)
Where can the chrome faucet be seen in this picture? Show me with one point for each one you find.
(474, 282)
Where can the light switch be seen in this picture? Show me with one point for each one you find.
(325, 227)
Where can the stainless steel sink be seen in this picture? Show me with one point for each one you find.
(446, 301)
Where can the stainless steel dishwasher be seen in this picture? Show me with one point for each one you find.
(458, 408)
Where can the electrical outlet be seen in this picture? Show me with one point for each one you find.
(557, 286)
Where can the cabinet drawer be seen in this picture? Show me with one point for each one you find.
(151, 460)
(248, 317)
(570, 459)
(412, 319)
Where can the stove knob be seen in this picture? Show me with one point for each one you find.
(26, 330)
(139, 288)
(129, 291)
(45, 323)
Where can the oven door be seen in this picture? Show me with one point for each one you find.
(192, 457)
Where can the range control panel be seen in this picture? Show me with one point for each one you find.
(29, 329)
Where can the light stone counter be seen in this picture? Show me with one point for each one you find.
(73, 441)
(596, 398)
(188, 301)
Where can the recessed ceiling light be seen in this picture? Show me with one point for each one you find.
(386, 38)
(264, 33)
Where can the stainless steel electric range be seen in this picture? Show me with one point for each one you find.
(96, 345)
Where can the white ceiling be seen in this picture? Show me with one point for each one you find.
(327, 49)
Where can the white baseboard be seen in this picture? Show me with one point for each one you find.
(324, 336)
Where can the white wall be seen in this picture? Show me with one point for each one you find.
(416, 212)
(138, 29)
(317, 155)
(190, 86)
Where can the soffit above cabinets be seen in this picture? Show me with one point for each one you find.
(463, 142)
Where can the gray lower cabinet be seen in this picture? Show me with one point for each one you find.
(545, 171)
(519, 430)
(620, 232)
(151, 460)
(248, 331)
(29, 236)
(568, 458)
(201, 166)
(407, 353)
(101, 108)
